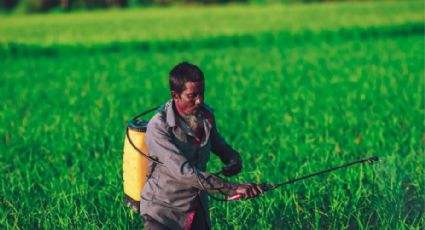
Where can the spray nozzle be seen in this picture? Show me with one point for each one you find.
(266, 186)
(372, 160)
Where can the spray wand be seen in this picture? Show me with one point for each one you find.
(268, 187)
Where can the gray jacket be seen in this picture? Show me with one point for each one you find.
(178, 186)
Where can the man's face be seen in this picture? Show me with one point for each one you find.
(190, 99)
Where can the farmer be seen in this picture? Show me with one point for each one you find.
(181, 136)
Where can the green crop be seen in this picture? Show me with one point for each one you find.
(292, 100)
(193, 23)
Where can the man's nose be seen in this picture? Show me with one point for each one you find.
(199, 100)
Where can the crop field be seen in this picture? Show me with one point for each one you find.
(296, 89)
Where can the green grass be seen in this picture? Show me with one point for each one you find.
(189, 23)
(291, 105)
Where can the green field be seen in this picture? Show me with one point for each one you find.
(295, 88)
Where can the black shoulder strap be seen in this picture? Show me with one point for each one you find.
(146, 112)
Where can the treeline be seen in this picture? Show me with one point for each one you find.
(31, 6)
(68, 5)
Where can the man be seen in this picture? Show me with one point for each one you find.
(181, 137)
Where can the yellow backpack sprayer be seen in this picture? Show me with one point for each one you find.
(135, 160)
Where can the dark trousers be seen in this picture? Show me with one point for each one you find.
(199, 223)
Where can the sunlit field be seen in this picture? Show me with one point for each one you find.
(295, 88)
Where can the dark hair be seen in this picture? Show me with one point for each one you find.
(182, 73)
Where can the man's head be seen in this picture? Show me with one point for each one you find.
(187, 88)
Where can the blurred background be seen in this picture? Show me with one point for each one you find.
(31, 6)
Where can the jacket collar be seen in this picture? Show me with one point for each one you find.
(173, 120)
(171, 115)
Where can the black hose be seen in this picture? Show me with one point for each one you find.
(370, 160)
(145, 112)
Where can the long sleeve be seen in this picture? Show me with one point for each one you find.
(176, 166)
(223, 150)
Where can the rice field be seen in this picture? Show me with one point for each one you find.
(295, 88)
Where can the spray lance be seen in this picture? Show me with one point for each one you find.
(268, 187)
(135, 164)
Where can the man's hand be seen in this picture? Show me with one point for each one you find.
(249, 190)
(234, 167)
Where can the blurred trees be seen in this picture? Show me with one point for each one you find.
(8, 4)
(29, 6)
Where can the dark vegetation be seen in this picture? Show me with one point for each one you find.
(32, 6)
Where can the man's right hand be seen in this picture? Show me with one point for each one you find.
(249, 190)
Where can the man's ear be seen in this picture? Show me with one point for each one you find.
(174, 94)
